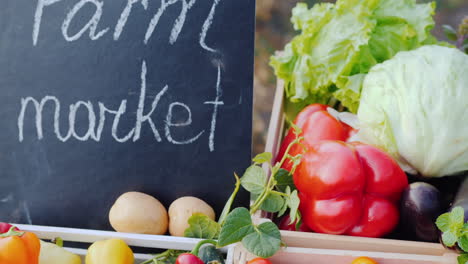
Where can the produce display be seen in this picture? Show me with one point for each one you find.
(380, 106)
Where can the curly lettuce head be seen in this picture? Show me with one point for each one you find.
(415, 106)
(339, 43)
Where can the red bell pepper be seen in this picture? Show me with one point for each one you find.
(316, 125)
(5, 227)
(349, 188)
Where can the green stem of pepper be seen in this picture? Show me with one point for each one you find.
(58, 241)
(11, 232)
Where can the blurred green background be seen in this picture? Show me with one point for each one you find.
(274, 30)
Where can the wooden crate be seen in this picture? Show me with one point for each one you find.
(297, 255)
(135, 240)
(346, 245)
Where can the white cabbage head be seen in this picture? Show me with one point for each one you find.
(415, 106)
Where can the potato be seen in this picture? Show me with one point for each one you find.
(135, 212)
(182, 209)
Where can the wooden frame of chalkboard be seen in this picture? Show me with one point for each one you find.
(410, 251)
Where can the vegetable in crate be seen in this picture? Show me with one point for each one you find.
(350, 189)
(415, 107)
(364, 260)
(135, 212)
(455, 231)
(182, 209)
(18, 247)
(210, 255)
(54, 254)
(461, 200)
(192, 257)
(259, 261)
(112, 251)
(339, 43)
(420, 207)
(316, 124)
(5, 227)
(454, 224)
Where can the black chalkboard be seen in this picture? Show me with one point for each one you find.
(101, 97)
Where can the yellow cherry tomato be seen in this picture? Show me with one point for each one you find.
(364, 260)
(112, 251)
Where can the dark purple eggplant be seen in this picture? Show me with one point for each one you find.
(462, 198)
(420, 207)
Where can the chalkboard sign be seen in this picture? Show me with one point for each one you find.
(101, 97)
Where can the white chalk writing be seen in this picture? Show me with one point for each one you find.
(207, 25)
(216, 103)
(95, 125)
(187, 122)
(92, 24)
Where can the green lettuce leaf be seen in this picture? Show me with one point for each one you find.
(339, 43)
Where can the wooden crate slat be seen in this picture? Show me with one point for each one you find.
(90, 236)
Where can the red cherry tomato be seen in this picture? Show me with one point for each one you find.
(259, 261)
(188, 258)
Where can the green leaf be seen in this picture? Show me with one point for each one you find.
(265, 241)
(263, 157)
(457, 217)
(273, 203)
(293, 203)
(463, 242)
(449, 238)
(443, 222)
(254, 179)
(283, 209)
(450, 32)
(201, 226)
(463, 259)
(284, 179)
(238, 224)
